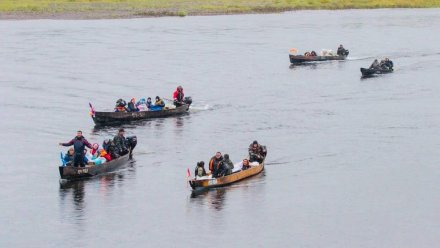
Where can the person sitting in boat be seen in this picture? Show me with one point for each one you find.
(79, 143)
(109, 146)
(68, 158)
(121, 106)
(149, 103)
(245, 164)
(178, 96)
(386, 64)
(313, 53)
(307, 54)
(142, 105)
(121, 147)
(159, 103)
(375, 65)
(228, 166)
(256, 152)
(132, 106)
(98, 156)
(215, 164)
(200, 169)
(342, 51)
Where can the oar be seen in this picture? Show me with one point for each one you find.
(62, 159)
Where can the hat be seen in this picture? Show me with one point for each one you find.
(201, 163)
(226, 156)
(255, 142)
(121, 130)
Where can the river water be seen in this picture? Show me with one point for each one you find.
(351, 163)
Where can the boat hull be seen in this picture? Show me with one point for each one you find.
(109, 118)
(297, 59)
(77, 173)
(226, 180)
(366, 72)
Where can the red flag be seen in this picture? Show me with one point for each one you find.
(188, 174)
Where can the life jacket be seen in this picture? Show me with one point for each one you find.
(200, 171)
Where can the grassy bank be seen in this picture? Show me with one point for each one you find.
(133, 8)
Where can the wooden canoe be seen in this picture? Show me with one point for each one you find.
(109, 118)
(199, 184)
(76, 173)
(297, 59)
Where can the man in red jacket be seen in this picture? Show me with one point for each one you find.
(178, 96)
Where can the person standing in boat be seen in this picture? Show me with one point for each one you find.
(79, 143)
(200, 169)
(215, 164)
(178, 96)
(120, 143)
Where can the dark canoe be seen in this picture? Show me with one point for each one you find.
(76, 173)
(201, 184)
(108, 118)
(297, 59)
(371, 72)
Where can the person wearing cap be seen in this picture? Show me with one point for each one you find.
(159, 103)
(178, 96)
(215, 164)
(120, 143)
(386, 64)
(256, 152)
(200, 169)
(79, 143)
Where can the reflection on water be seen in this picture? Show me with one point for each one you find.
(216, 198)
(304, 65)
(74, 192)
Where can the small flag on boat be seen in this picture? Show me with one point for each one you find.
(188, 174)
(92, 110)
(62, 159)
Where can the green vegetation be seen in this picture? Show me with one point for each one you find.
(132, 8)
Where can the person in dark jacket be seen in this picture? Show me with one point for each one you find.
(215, 164)
(256, 152)
(79, 143)
(132, 106)
(245, 164)
(200, 169)
(341, 51)
(386, 64)
(228, 166)
(121, 147)
(178, 96)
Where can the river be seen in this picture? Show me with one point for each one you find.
(351, 162)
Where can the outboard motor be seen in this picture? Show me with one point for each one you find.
(188, 100)
(346, 52)
(132, 142)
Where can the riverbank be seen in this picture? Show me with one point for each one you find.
(98, 9)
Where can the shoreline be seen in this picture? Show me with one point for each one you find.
(154, 13)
